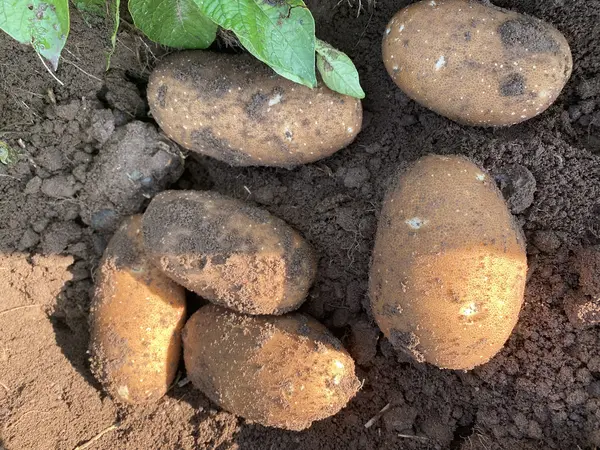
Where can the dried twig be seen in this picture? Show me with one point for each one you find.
(377, 416)
(412, 436)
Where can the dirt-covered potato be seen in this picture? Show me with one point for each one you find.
(236, 109)
(476, 64)
(285, 371)
(135, 321)
(449, 264)
(228, 251)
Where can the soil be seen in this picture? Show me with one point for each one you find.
(541, 391)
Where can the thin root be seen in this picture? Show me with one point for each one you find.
(89, 443)
(49, 70)
(16, 308)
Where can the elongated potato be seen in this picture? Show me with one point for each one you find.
(135, 321)
(236, 109)
(474, 63)
(449, 264)
(283, 372)
(229, 252)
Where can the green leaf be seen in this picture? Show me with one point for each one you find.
(281, 33)
(337, 70)
(42, 23)
(176, 23)
(93, 11)
(7, 154)
(94, 7)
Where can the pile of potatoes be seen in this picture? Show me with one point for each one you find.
(242, 350)
(449, 264)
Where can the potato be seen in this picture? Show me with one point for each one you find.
(229, 252)
(236, 109)
(283, 372)
(449, 264)
(476, 64)
(135, 321)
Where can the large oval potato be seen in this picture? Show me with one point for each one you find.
(236, 109)
(136, 318)
(449, 264)
(284, 372)
(229, 252)
(476, 64)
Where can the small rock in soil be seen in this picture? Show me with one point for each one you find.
(356, 176)
(135, 164)
(33, 186)
(29, 239)
(363, 342)
(546, 241)
(102, 126)
(588, 264)
(58, 236)
(582, 311)
(61, 186)
(400, 418)
(518, 186)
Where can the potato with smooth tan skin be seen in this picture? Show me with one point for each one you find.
(229, 252)
(285, 371)
(475, 63)
(236, 109)
(449, 264)
(136, 318)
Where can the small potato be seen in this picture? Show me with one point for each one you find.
(449, 264)
(236, 109)
(135, 321)
(476, 64)
(283, 372)
(229, 252)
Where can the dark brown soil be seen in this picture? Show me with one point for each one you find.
(541, 391)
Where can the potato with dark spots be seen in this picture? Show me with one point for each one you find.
(475, 63)
(236, 109)
(449, 264)
(136, 319)
(284, 371)
(228, 251)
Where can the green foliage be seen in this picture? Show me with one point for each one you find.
(42, 23)
(337, 70)
(91, 9)
(7, 154)
(281, 33)
(175, 23)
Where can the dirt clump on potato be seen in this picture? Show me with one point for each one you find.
(449, 265)
(236, 109)
(283, 372)
(476, 64)
(135, 321)
(229, 252)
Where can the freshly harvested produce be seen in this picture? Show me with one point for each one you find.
(135, 321)
(449, 264)
(228, 251)
(476, 63)
(236, 109)
(283, 372)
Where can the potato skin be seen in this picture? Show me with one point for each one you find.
(236, 109)
(476, 64)
(284, 371)
(449, 264)
(136, 318)
(229, 252)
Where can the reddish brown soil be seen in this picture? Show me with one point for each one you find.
(541, 391)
